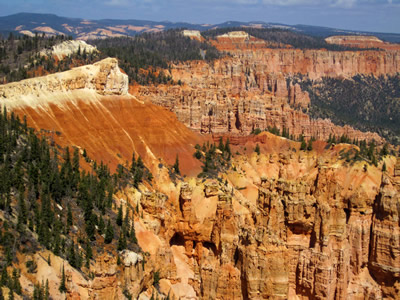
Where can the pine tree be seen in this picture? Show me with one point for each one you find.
(303, 145)
(37, 292)
(138, 177)
(22, 213)
(119, 216)
(197, 154)
(101, 225)
(75, 168)
(4, 277)
(126, 218)
(109, 198)
(88, 253)
(109, 233)
(330, 139)
(385, 150)
(122, 242)
(221, 146)
(91, 228)
(133, 164)
(63, 287)
(257, 149)
(46, 291)
(132, 234)
(384, 167)
(228, 148)
(71, 256)
(176, 165)
(69, 216)
(16, 284)
(139, 163)
(309, 146)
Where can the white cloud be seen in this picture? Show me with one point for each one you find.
(117, 3)
(344, 3)
(332, 3)
(290, 2)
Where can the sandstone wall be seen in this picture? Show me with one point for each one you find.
(236, 96)
(283, 225)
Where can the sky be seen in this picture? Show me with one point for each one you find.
(367, 15)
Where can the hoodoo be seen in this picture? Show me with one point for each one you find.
(204, 174)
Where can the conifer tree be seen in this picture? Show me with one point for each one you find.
(22, 213)
(385, 150)
(109, 198)
(303, 145)
(309, 146)
(197, 154)
(46, 291)
(71, 256)
(109, 233)
(91, 228)
(101, 225)
(139, 163)
(228, 148)
(138, 175)
(122, 242)
(133, 164)
(257, 149)
(63, 287)
(221, 146)
(176, 165)
(119, 216)
(126, 219)
(75, 167)
(88, 253)
(16, 284)
(69, 216)
(4, 277)
(132, 234)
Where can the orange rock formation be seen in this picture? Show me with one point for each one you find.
(89, 107)
(358, 41)
(252, 89)
(285, 224)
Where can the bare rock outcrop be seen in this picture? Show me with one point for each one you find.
(285, 226)
(68, 48)
(253, 88)
(102, 78)
(236, 96)
(361, 41)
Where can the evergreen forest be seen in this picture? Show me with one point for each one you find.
(59, 199)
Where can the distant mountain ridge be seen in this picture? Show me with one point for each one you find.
(50, 24)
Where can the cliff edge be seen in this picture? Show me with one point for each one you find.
(102, 78)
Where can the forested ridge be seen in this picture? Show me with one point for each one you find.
(20, 58)
(48, 201)
(145, 56)
(367, 103)
(279, 38)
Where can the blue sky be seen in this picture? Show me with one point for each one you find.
(369, 15)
